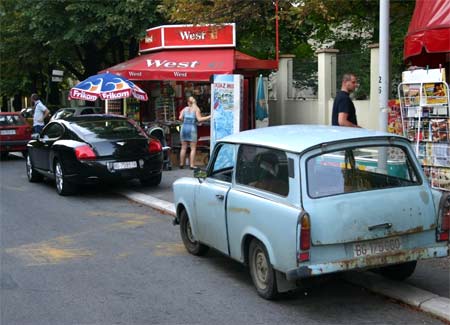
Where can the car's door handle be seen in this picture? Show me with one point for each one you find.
(386, 225)
(220, 197)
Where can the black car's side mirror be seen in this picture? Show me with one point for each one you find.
(35, 136)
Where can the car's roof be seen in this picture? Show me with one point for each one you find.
(94, 117)
(78, 108)
(10, 113)
(298, 138)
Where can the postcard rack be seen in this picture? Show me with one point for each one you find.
(424, 108)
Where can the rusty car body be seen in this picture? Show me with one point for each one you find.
(298, 201)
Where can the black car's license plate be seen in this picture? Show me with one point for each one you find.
(124, 165)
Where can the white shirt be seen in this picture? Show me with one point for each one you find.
(39, 110)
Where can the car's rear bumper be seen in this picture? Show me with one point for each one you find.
(13, 145)
(367, 262)
(95, 171)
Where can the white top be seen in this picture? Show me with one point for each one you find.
(39, 110)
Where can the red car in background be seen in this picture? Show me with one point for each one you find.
(15, 133)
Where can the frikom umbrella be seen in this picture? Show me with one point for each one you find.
(106, 86)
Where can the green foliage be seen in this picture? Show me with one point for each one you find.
(79, 37)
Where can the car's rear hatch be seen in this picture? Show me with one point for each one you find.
(351, 197)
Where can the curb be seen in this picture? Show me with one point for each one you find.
(406, 293)
(418, 298)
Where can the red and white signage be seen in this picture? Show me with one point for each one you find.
(188, 36)
(177, 65)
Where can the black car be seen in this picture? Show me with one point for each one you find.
(90, 148)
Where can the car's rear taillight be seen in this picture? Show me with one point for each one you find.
(154, 146)
(84, 152)
(443, 230)
(305, 237)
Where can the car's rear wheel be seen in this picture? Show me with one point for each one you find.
(4, 154)
(261, 271)
(151, 181)
(32, 174)
(192, 245)
(398, 272)
(63, 187)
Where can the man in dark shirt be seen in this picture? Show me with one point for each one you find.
(344, 113)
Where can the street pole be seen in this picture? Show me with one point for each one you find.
(383, 80)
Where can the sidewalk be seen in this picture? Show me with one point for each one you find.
(428, 289)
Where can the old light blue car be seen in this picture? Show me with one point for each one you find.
(299, 201)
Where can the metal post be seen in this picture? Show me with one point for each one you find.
(383, 79)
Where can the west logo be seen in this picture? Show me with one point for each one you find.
(189, 36)
(171, 64)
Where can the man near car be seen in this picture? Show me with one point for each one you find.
(40, 113)
(344, 113)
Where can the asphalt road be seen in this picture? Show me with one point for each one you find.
(97, 258)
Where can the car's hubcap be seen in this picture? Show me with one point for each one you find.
(189, 234)
(261, 268)
(29, 170)
(59, 177)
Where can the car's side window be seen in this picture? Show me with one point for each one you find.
(87, 111)
(52, 131)
(263, 168)
(224, 162)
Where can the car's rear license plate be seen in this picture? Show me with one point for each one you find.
(125, 165)
(376, 247)
(8, 132)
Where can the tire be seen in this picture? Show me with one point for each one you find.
(193, 246)
(63, 187)
(151, 181)
(4, 154)
(261, 271)
(398, 272)
(32, 175)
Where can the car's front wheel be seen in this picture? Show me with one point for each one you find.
(32, 174)
(192, 245)
(63, 187)
(261, 271)
(398, 272)
(151, 181)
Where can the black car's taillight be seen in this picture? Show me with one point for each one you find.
(443, 229)
(154, 146)
(84, 152)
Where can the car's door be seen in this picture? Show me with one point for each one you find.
(41, 149)
(211, 198)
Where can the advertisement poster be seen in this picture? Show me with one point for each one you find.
(226, 106)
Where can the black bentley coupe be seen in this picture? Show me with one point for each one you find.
(93, 148)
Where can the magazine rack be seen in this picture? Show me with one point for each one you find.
(424, 107)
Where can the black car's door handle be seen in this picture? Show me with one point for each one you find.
(220, 197)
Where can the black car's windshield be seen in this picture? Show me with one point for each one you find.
(107, 129)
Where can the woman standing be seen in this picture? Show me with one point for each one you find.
(190, 115)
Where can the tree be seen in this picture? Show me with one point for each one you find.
(305, 25)
(80, 37)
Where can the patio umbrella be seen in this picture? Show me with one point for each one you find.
(106, 86)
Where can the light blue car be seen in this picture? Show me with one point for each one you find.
(298, 201)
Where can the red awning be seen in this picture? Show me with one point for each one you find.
(193, 65)
(428, 38)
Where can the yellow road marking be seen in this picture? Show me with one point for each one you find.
(169, 249)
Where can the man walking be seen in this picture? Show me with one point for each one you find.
(344, 113)
(40, 113)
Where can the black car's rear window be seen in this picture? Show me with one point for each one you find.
(11, 120)
(108, 129)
